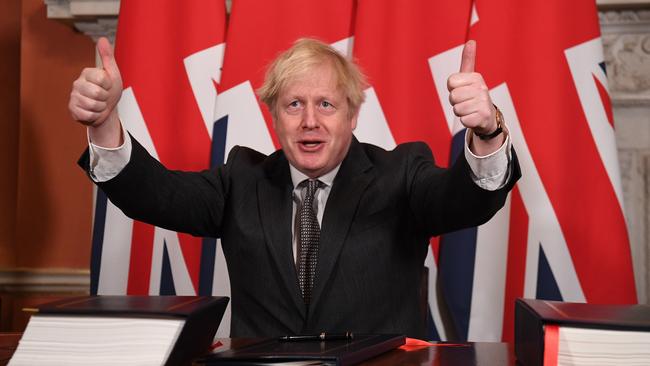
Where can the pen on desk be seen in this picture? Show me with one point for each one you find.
(317, 337)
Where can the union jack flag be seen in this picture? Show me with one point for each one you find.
(561, 235)
(170, 58)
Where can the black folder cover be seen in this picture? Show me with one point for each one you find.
(531, 315)
(337, 352)
(202, 316)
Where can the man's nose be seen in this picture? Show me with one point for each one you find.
(310, 119)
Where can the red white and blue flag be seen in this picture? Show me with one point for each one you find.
(170, 57)
(562, 233)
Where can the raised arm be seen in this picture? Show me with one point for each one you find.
(134, 181)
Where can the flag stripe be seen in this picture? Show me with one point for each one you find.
(372, 126)
(116, 248)
(456, 266)
(209, 245)
(140, 259)
(516, 266)
(189, 258)
(183, 273)
(604, 99)
(547, 288)
(435, 323)
(204, 75)
(207, 268)
(490, 277)
(97, 240)
(584, 64)
(545, 226)
(167, 287)
(221, 287)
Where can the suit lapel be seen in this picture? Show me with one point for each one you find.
(350, 183)
(276, 206)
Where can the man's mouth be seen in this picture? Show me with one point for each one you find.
(310, 145)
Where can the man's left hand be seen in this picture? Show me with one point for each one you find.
(470, 99)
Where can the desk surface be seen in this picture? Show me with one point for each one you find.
(8, 343)
(479, 354)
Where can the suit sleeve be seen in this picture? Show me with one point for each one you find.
(445, 200)
(191, 202)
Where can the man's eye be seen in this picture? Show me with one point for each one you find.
(294, 104)
(326, 104)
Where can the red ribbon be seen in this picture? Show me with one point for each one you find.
(551, 342)
(413, 344)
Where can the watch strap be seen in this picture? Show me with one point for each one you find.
(495, 133)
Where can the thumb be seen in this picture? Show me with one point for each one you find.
(469, 57)
(107, 57)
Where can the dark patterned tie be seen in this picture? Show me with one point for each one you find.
(308, 237)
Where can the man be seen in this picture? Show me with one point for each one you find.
(326, 234)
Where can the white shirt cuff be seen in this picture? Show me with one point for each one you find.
(491, 171)
(106, 163)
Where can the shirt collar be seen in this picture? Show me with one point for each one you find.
(328, 178)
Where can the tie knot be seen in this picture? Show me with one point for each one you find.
(311, 185)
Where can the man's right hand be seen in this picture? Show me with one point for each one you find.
(94, 98)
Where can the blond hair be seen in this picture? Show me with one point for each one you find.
(303, 56)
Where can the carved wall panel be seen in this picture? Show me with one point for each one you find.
(626, 41)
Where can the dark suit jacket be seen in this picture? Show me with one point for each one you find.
(382, 209)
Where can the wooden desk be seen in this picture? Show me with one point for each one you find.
(8, 343)
(474, 354)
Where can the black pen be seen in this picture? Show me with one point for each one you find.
(317, 337)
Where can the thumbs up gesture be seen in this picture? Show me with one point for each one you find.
(96, 92)
(470, 98)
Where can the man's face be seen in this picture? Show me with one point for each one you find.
(313, 122)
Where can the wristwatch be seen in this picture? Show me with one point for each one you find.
(497, 132)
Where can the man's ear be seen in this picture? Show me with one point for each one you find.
(353, 120)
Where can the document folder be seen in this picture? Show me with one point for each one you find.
(117, 330)
(336, 352)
